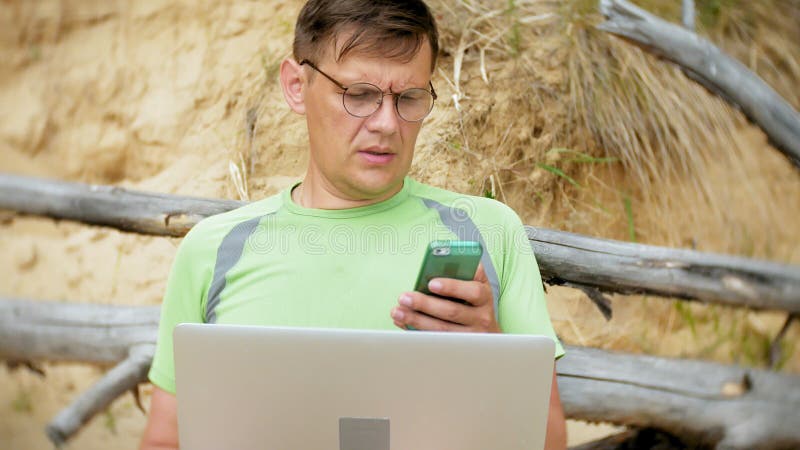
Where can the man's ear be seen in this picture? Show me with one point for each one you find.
(293, 83)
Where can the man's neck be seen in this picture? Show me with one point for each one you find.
(310, 195)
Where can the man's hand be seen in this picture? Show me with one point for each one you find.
(432, 313)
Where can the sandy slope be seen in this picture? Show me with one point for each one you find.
(155, 95)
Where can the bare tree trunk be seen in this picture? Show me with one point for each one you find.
(127, 210)
(727, 406)
(104, 334)
(100, 334)
(709, 66)
(646, 269)
(731, 406)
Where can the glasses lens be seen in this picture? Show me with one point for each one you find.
(362, 99)
(414, 105)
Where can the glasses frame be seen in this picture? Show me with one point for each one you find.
(395, 95)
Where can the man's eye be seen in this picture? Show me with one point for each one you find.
(360, 92)
(358, 95)
(413, 96)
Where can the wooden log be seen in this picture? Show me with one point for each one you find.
(647, 269)
(125, 209)
(688, 15)
(731, 406)
(709, 66)
(100, 334)
(613, 266)
(31, 330)
(124, 377)
(728, 407)
(636, 438)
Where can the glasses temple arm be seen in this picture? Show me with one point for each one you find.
(310, 64)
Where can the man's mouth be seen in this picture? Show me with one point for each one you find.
(376, 156)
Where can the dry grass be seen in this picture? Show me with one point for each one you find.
(580, 131)
(528, 78)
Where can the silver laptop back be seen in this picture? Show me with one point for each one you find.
(243, 387)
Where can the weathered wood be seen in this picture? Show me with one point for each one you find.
(775, 348)
(647, 269)
(31, 330)
(687, 14)
(709, 66)
(713, 403)
(101, 334)
(613, 266)
(728, 407)
(646, 438)
(124, 377)
(116, 207)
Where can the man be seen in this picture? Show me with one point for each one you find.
(342, 248)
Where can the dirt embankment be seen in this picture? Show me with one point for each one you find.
(169, 96)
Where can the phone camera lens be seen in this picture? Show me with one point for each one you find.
(441, 251)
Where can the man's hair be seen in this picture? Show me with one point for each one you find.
(391, 29)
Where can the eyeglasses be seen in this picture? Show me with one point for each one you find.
(363, 99)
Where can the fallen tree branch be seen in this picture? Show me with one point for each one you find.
(602, 302)
(712, 403)
(775, 349)
(628, 268)
(633, 439)
(125, 209)
(612, 266)
(688, 15)
(728, 407)
(124, 377)
(50, 331)
(709, 66)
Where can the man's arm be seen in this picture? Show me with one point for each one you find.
(161, 432)
(556, 437)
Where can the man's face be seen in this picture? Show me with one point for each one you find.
(365, 158)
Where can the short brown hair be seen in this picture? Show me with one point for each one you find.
(393, 29)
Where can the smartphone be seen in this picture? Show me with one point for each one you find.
(449, 259)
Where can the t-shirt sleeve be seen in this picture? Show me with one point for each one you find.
(522, 308)
(183, 303)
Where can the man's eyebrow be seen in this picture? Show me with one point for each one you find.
(406, 85)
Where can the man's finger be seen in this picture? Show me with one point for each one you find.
(442, 309)
(420, 321)
(476, 293)
(480, 274)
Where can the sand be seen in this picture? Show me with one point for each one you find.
(155, 95)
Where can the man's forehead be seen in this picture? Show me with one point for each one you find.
(388, 73)
(336, 51)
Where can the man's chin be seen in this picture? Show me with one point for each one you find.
(376, 188)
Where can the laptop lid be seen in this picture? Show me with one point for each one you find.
(249, 387)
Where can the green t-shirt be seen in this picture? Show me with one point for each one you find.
(273, 262)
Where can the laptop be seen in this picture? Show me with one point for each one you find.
(250, 387)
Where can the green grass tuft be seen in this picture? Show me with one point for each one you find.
(626, 199)
(583, 158)
(110, 422)
(558, 172)
(685, 311)
(22, 403)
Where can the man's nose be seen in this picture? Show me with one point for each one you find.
(385, 120)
